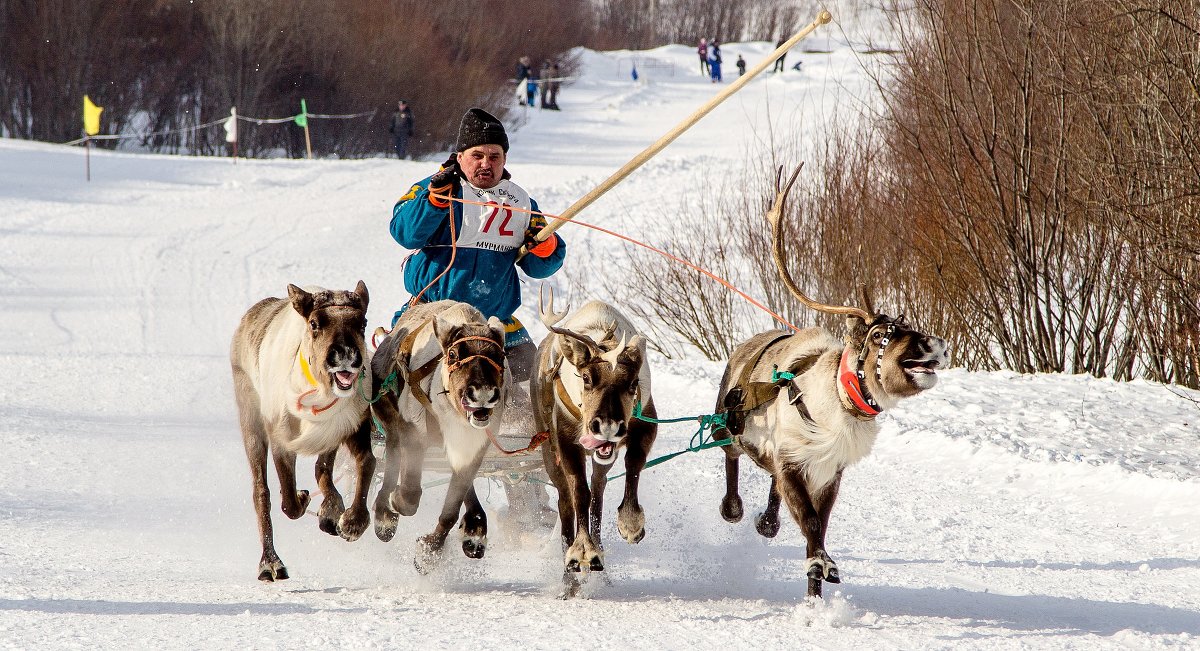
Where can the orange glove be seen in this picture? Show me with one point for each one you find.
(540, 249)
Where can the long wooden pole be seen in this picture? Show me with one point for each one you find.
(87, 157)
(648, 153)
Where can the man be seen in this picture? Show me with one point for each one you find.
(488, 237)
(401, 128)
(778, 67)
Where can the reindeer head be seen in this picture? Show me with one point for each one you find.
(609, 372)
(334, 345)
(893, 360)
(474, 366)
(887, 358)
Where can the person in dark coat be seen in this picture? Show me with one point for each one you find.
(779, 62)
(523, 72)
(741, 65)
(552, 87)
(714, 59)
(401, 128)
(702, 50)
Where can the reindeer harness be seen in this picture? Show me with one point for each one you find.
(414, 377)
(746, 394)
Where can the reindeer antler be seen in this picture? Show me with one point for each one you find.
(586, 340)
(546, 312)
(775, 219)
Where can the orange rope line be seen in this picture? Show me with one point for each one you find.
(657, 250)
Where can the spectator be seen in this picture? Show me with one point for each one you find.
(714, 60)
(531, 88)
(523, 71)
(741, 65)
(552, 86)
(703, 52)
(778, 67)
(401, 128)
(545, 84)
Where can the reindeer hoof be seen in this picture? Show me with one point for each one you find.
(731, 508)
(766, 526)
(597, 565)
(429, 553)
(385, 524)
(272, 571)
(331, 509)
(573, 566)
(832, 575)
(631, 524)
(474, 546)
(353, 523)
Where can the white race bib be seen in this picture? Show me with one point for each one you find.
(495, 225)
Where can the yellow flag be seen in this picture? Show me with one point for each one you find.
(91, 116)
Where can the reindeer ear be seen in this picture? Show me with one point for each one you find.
(497, 327)
(856, 330)
(574, 350)
(363, 297)
(635, 351)
(302, 301)
(444, 331)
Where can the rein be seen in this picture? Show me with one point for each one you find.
(308, 375)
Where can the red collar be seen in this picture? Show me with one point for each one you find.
(848, 379)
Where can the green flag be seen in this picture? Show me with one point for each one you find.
(302, 119)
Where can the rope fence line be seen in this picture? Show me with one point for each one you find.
(221, 121)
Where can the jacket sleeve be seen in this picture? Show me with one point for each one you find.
(414, 219)
(536, 267)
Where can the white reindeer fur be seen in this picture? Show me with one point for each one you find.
(595, 319)
(463, 443)
(279, 381)
(838, 440)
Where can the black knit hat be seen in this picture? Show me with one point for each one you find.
(478, 127)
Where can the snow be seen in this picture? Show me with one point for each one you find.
(998, 511)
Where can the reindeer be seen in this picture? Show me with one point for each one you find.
(296, 377)
(584, 394)
(805, 425)
(453, 384)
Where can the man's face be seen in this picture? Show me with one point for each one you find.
(482, 165)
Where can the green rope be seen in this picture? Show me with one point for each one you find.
(699, 441)
(390, 384)
(777, 375)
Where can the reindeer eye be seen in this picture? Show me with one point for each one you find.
(313, 324)
(587, 380)
(877, 335)
(452, 355)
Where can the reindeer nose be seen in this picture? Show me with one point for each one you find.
(604, 427)
(348, 356)
(486, 396)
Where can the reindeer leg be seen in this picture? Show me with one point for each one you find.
(293, 502)
(473, 525)
(407, 497)
(631, 519)
(331, 506)
(353, 522)
(254, 436)
(731, 503)
(582, 552)
(386, 518)
(813, 517)
(596, 502)
(429, 546)
(767, 522)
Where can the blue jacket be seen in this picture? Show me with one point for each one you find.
(484, 271)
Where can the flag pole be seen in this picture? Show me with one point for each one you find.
(87, 157)
(307, 140)
(648, 153)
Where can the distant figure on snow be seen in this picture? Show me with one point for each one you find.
(797, 66)
(531, 88)
(523, 72)
(401, 128)
(552, 87)
(703, 52)
(741, 65)
(545, 84)
(778, 67)
(714, 60)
